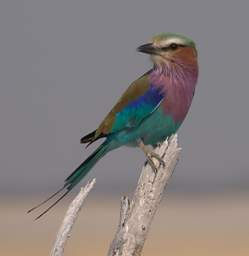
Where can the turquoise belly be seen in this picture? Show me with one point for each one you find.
(154, 129)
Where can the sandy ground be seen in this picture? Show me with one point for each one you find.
(209, 225)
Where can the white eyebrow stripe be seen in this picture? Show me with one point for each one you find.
(169, 41)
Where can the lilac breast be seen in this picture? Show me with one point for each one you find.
(178, 84)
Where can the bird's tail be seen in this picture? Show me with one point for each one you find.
(76, 176)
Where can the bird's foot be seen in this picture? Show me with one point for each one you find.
(157, 157)
(150, 155)
(152, 165)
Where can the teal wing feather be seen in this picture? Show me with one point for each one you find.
(138, 102)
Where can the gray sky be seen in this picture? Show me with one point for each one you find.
(63, 64)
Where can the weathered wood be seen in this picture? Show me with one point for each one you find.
(70, 218)
(136, 215)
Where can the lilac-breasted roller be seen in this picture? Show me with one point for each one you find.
(151, 109)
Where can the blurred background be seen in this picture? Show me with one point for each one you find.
(63, 64)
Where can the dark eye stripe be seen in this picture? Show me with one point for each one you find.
(170, 47)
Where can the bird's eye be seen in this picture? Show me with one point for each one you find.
(173, 46)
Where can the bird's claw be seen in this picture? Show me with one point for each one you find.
(158, 158)
(152, 165)
(150, 157)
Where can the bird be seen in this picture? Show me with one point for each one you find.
(151, 109)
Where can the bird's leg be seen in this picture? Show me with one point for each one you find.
(150, 155)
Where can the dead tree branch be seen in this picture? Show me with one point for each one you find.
(136, 215)
(70, 218)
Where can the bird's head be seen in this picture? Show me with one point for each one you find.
(169, 48)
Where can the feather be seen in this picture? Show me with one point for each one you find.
(139, 100)
(88, 138)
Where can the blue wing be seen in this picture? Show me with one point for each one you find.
(138, 109)
(139, 100)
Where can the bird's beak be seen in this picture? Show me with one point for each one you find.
(147, 48)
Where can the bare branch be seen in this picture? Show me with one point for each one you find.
(136, 216)
(70, 218)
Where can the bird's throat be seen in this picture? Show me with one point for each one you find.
(177, 80)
